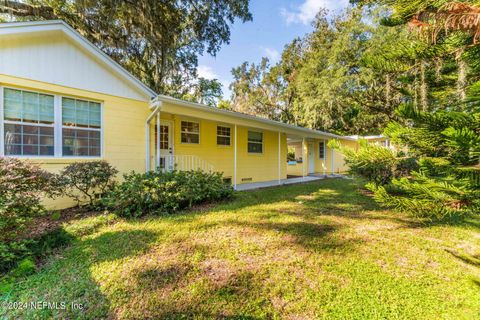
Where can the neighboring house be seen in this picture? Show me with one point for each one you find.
(63, 100)
(380, 140)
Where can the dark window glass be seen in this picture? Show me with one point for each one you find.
(255, 142)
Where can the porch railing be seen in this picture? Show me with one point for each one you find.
(184, 163)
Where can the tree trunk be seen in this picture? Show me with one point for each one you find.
(462, 75)
(423, 87)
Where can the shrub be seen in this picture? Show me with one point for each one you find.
(21, 187)
(86, 181)
(372, 162)
(164, 192)
(405, 166)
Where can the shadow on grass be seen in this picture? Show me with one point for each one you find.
(67, 277)
(473, 260)
(209, 300)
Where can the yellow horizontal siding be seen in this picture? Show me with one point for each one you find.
(123, 129)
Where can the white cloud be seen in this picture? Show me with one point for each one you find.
(305, 13)
(206, 72)
(272, 54)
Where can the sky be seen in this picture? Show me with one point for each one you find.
(275, 24)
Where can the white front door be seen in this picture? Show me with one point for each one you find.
(166, 148)
(311, 159)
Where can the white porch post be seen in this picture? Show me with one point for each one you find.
(235, 158)
(304, 158)
(279, 159)
(333, 161)
(324, 157)
(157, 143)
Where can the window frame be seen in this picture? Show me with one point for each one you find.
(262, 143)
(57, 125)
(324, 149)
(197, 133)
(224, 136)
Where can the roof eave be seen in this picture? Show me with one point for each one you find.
(206, 108)
(53, 25)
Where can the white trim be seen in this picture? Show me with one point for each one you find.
(279, 158)
(59, 25)
(57, 130)
(2, 137)
(311, 162)
(303, 158)
(235, 159)
(299, 130)
(147, 136)
(333, 161)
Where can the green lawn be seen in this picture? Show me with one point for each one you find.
(317, 250)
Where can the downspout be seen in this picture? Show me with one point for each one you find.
(158, 105)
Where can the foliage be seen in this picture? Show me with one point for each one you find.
(371, 161)
(157, 41)
(205, 91)
(21, 186)
(426, 197)
(88, 180)
(329, 79)
(265, 90)
(165, 192)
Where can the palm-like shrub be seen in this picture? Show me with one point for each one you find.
(442, 180)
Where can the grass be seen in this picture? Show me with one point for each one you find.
(317, 250)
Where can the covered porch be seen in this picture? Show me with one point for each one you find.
(250, 152)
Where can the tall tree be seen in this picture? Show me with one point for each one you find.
(205, 91)
(158, 41)
(265, 90)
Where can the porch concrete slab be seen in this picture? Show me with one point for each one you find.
(274, 183)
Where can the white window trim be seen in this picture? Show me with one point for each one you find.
(262, 143)
(225, 136)
(197, 133)
(57, 126)
(324, 150)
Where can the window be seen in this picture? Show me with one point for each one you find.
(28, 123)
(81, 128)
(37, 124)
(163, 137)
(223, 136)
(255, 142)
(321, 150)
(190, 132)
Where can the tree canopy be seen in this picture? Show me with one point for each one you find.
(157, 41)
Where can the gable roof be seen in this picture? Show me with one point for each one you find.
(13, 28)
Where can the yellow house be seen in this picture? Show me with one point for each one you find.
(63, 100)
